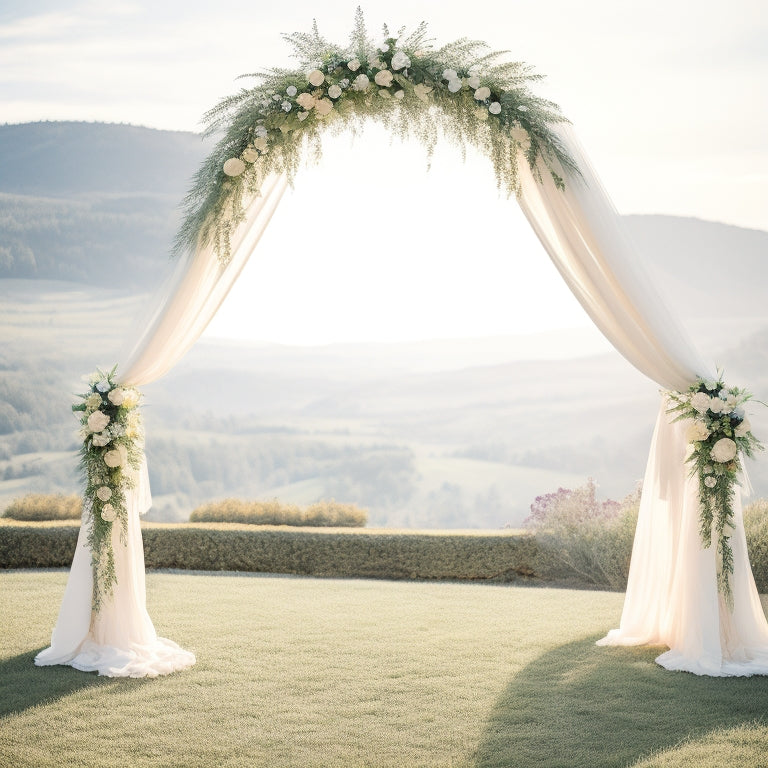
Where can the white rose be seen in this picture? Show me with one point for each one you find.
(716, 405)
(103, 386)
(250, 155)
(115, 457)
(383, 78)
(700, 402)
(473, 82)
(302, 116)
(481, 94)
(306, 100)
(743, 429)
(454, 86)
(334, 91)
(316, 77)
(100, 439)
(400, 60)
(399, 94)
(260, 143)
(724, 450)
(234, 166)
(361, 82)
(450, 74)
(291, 90)
(494, 108)
(108, 513)
(116, 396)
(696, 432)
(710, 482)
(384, 48)
(354, 65)
(323, 106)
(260, 131)
(104, 493)
(97, 421)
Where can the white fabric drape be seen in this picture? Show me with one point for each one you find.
(672, 597)
(120, 640)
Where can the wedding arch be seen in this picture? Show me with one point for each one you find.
(690, 583)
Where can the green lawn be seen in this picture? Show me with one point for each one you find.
(310, 672)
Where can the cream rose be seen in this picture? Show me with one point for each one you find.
(422, 91)
(361, 83)
(324, 107)
(108, 513)
(305, 100)
(495, 108)
(724, 450)
(97, 421)
(483, 93)
(383, 78)
(117, 457)
(334, 91)
(316, 77)
(104, 493)
(234, 166)
(354, 65)
(116, 396)
(100, 439)
(743, 429)
(696, 432)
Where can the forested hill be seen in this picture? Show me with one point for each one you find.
(81, 201)
(71, 159)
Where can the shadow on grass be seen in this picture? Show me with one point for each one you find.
(580, 705)
(23, 685)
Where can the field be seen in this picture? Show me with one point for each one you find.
(310, 672)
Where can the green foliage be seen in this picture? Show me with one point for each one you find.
(37, 545)
(460, 91)
(583, 539)
(45, 506)
(323, 514)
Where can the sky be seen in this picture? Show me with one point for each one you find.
(667, 98)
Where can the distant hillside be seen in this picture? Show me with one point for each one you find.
(70, 159)
(79, 201)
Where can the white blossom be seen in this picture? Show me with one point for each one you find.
(334, 91)
(454, 86)
(291, 90)
(354, 65)
(97, 421)
(743, 429)
(104, 493)
(383, 78)
(700, 402)
(361, 82)
(116, 396)
(323, 106)
(306, 100)
(697, 431)
(710, 481)
(400, 60)
(108, 513)
(724, 450)
(494, 108)
(483, 93)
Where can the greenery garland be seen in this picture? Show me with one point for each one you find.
(113, 443)
(461, 91)
(718, 434)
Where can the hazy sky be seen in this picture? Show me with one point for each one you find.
(668, 98)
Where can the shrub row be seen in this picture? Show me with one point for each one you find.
(324, 514)
(45, 506)
(493, 556)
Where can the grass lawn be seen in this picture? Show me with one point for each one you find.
(310, 672)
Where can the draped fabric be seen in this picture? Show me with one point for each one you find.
(672, 596)
(120, 640)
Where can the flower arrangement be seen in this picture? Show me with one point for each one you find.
(113, 444)
(460, 91)
(718, 434)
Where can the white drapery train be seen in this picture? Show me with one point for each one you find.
(672, 595)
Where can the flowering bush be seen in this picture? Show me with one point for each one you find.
(113, 444)
(583, 539)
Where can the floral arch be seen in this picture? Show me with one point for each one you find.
(690, 585)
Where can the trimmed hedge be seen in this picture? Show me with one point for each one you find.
(407, 555)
